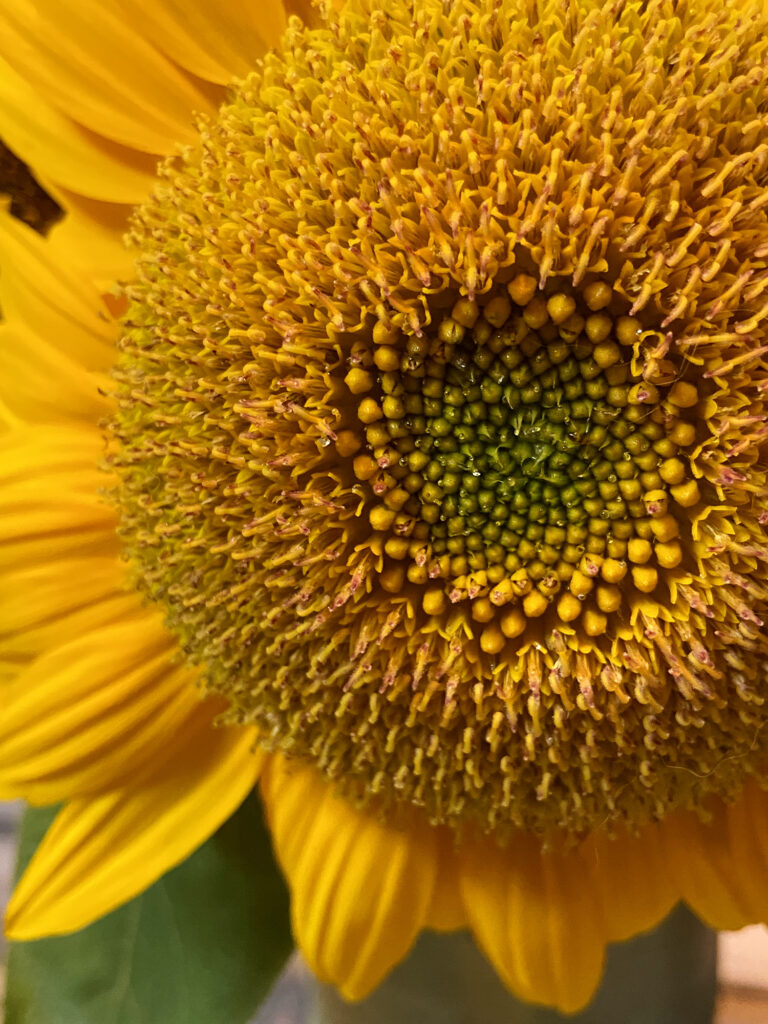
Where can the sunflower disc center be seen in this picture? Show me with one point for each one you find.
(519, 459)
(441, 432)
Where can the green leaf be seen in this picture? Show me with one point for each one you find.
(202, 946)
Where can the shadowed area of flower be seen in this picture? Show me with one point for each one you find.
(29, 201)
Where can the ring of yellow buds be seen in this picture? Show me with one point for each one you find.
(513, 440)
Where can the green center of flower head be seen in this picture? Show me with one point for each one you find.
(441, 423)
(518, 457)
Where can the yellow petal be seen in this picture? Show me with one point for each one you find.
(39, 290)
(50, 501)
(91, 714)
(534, 916)
(18, 650)
(633, 883)
(100, 852)
(90, 238)
(446, 912)
(721, 867)
(40, 607)
(214, 41)
(360, 888)
(98, 70)
(41, 384)
(56, 147)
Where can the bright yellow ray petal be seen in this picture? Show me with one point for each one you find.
(535, 917)
(18, 651)
(41, 599)
(721, 866)
(90, 237)
(214, 41)
(360, 888)
(40, 384)
(98, 70)
(101, 852)
(50, 500)
(633, 883)
(446, 912)
(86, 716)
(39, 289)
(58, 148)
(84, 615)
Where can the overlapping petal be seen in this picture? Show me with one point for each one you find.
(102, 72)
(361, 888)
(56, 146)
(41, 608)
(536, 916)
(102, 851)
(721, 865)
(99, 711)
(42, 292)
(51, 505)
(634, 887)
(92, 108)
(215, 42)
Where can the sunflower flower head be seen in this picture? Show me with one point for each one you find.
(441, 427)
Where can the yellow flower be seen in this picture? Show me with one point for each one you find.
(435, 433)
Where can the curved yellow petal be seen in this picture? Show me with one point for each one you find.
(721, 866)
(89, 715)
(18, 650)
(633, 883)
(534, 915)
(360, 887)
(90, 238)
(40, 608)
(56, 147)
(102, 851)
(446, 911)
(51, 505)
(97, 68)
(39, 290)
(217, 41)
(41, 384)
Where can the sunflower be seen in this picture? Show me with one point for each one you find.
(408, 460)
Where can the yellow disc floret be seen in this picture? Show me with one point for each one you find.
(442, 426)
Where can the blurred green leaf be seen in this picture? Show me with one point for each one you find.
(202, 946)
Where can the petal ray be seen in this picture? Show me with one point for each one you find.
(39, 604)
(360, 888)
(721, 866)
(40, 383)
(533, 914)
(58, 148)
(101, 72)
(39, 292)
(632, 881)
(51, 505)
(101, 852)
(216, 42)
(94, 713)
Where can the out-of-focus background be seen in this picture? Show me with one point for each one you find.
(743, 959)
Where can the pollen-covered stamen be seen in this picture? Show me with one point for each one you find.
(526, 456)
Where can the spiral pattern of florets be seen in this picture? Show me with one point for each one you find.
(442, 425)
